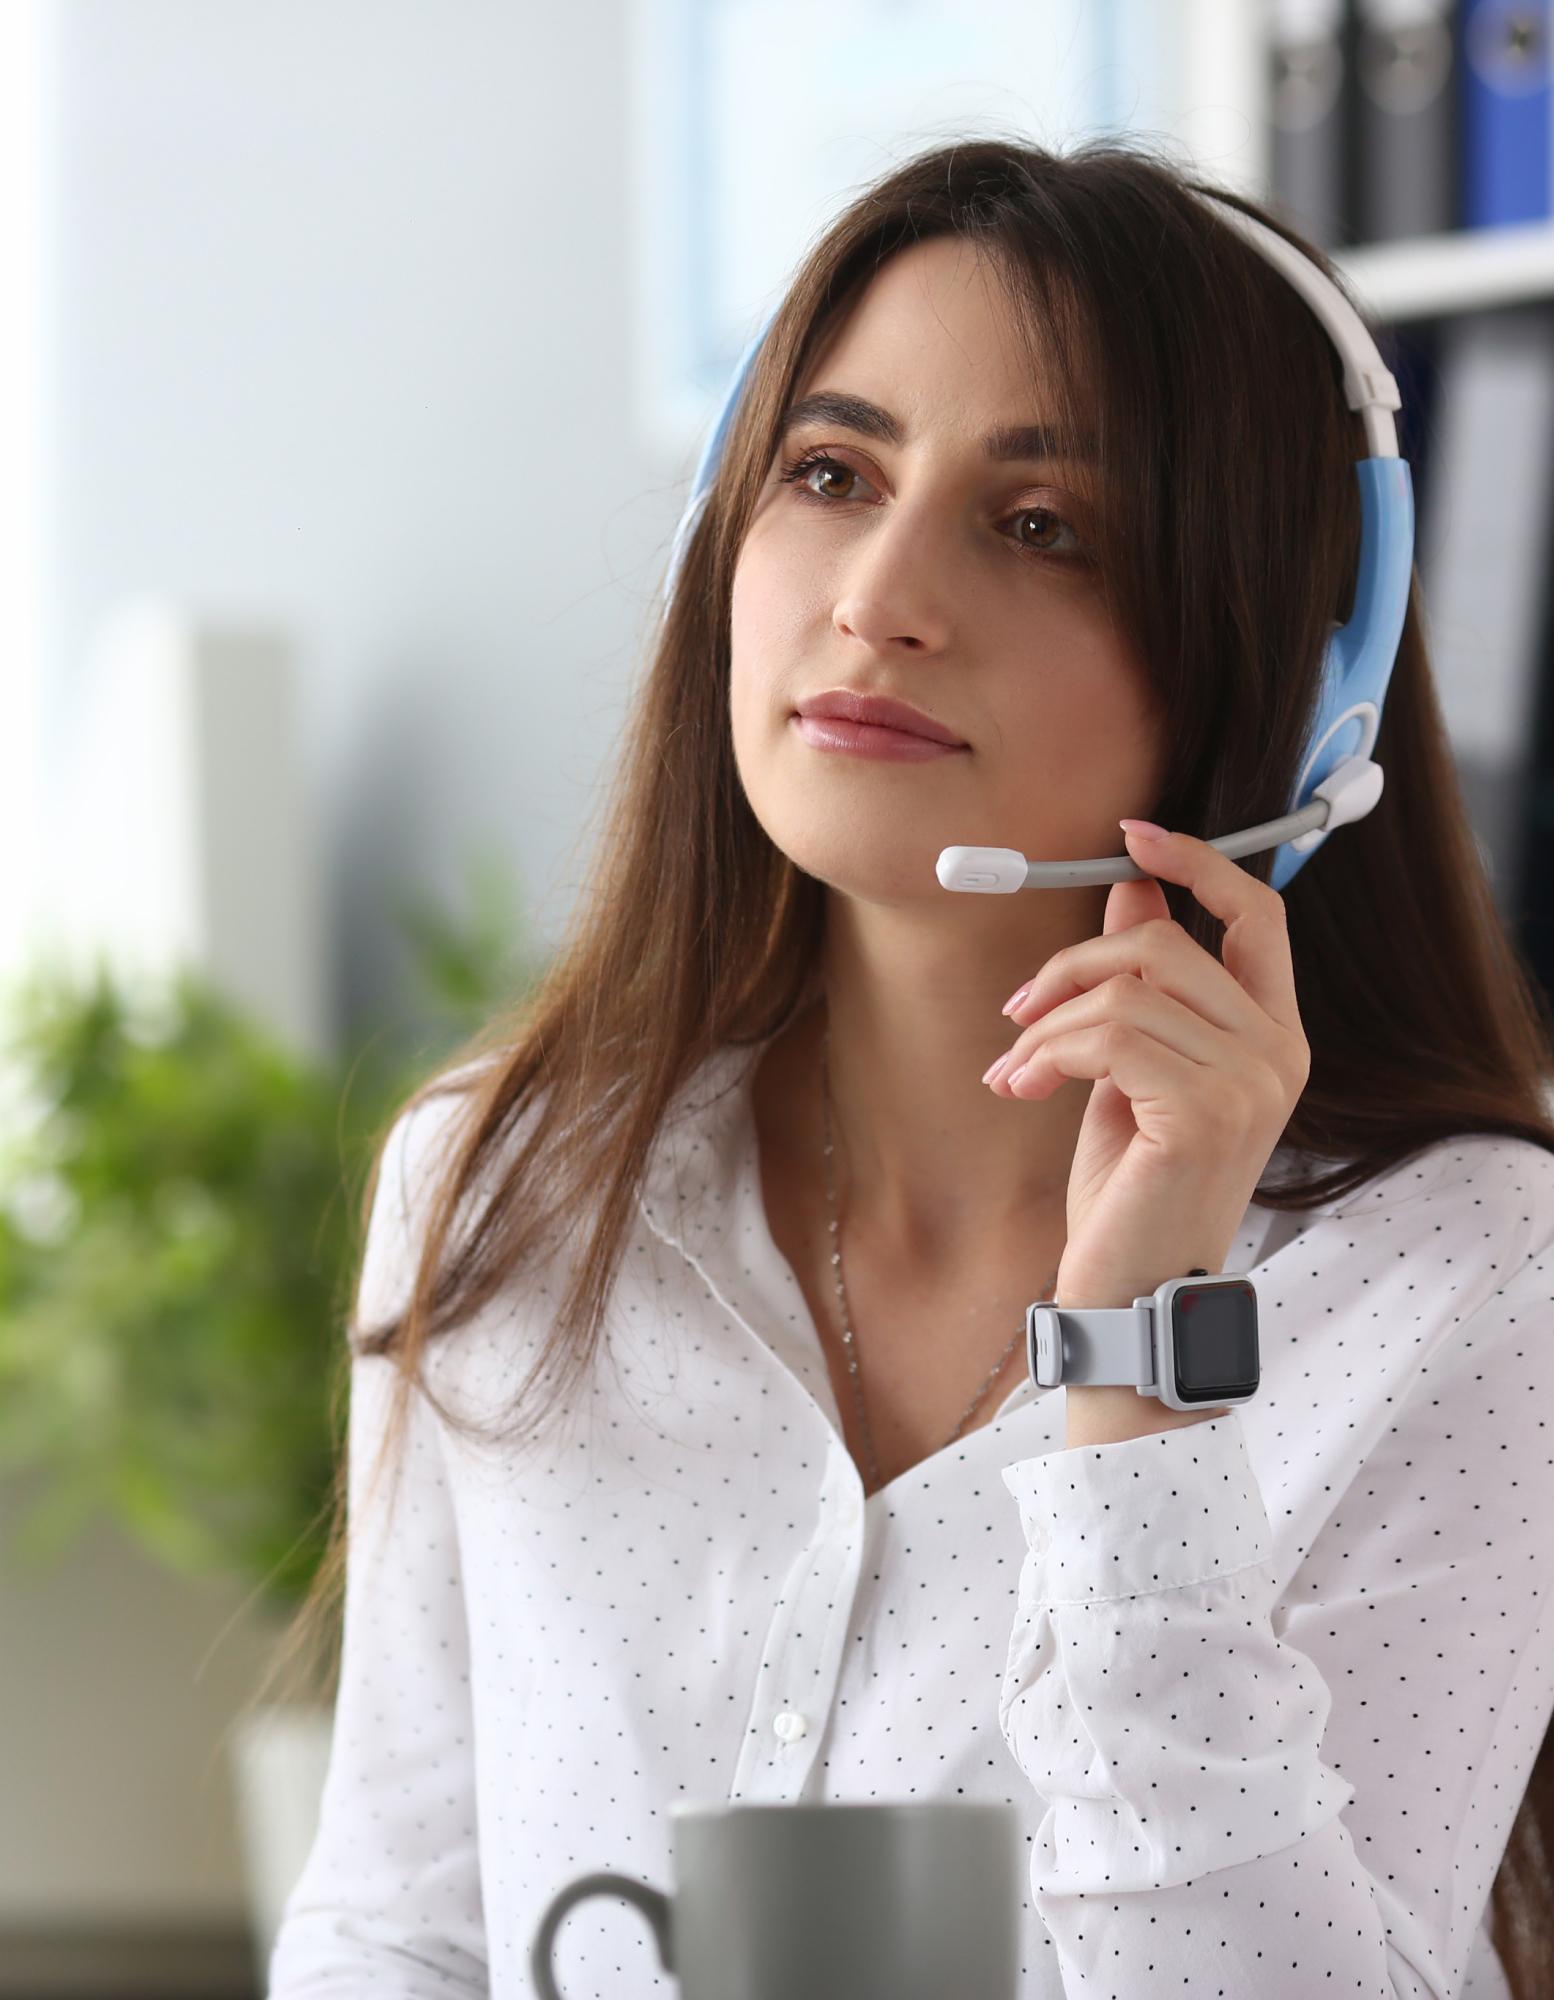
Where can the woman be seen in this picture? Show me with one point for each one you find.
(749, 1148)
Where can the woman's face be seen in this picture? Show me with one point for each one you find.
(916, 566)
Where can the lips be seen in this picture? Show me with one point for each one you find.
(882, 711)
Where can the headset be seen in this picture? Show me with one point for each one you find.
(1339, 782)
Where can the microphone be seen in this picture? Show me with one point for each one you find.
(1347, 794)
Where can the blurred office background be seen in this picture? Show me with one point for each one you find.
(357, 357)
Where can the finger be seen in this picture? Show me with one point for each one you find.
(1129, 1001)
(1129, 904)
(1160, 954)
(1256, 947)
(1165, 1089)
(1165, 954)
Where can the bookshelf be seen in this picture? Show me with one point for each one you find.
(1433, 277)
(1426, 291)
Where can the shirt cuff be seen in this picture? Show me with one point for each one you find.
(1146, 1513)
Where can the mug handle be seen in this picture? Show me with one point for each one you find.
(653, 1904)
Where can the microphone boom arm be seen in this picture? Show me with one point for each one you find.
(1348, 794)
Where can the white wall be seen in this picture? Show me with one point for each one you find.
(342, 334)
(338, 334)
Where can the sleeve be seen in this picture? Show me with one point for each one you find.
(1250, 1794)
(389, 1899)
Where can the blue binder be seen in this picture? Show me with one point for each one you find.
(1505, 72)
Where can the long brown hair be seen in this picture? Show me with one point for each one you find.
(1229, 532)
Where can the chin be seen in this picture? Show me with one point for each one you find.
(875, 871)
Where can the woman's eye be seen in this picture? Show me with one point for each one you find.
(800, 469)
(1049, 514)
(797, 474)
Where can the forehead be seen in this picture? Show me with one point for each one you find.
(937, 340)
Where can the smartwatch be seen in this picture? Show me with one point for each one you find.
(1191, 1342)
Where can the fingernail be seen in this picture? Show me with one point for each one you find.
(993, 1068)
(1145, 829)
(1015, 998)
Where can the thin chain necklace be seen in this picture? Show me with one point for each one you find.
(848, 1340)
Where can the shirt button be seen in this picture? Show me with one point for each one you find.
(790, 1726)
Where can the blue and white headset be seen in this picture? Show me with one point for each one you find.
(1338, 781)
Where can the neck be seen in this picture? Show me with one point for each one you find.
(926, 1157)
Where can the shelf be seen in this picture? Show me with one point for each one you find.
(1432, 277)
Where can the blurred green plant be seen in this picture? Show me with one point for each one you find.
(179, 1196)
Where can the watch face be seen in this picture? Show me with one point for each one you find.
(1215, 1336)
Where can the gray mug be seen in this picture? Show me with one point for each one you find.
(906, 1901)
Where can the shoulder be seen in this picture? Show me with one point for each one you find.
(1478, 1208)
(1475, 1170)
(1472, 1168)
(419, 1152)
(424, 1134)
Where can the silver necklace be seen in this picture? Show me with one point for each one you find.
(848, 1340)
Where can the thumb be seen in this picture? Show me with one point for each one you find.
(1130, 903)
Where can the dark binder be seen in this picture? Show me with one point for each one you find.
(1309, 169)
(1405, 119)
(1484, 542)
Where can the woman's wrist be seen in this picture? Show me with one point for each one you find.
(1107, 1413)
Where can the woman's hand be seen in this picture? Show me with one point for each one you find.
(1197, 1066)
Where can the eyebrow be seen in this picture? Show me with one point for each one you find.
(1009, 441)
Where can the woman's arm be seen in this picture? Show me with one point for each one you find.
(1256, 1791)
(389, 1902)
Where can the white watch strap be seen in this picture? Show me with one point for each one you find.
(1097, 1344)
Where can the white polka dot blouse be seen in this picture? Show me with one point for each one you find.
(1265, 1691)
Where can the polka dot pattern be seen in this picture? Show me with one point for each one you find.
(1265, 1691)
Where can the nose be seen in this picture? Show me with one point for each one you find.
(891, 589)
